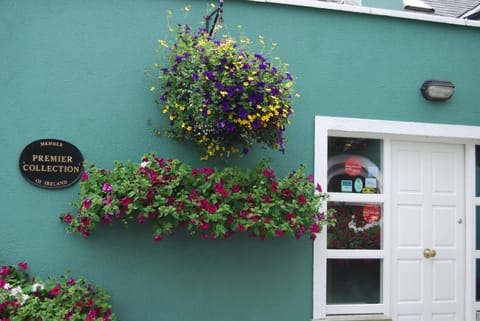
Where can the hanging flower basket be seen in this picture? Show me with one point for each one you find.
(207, 202)
(221, 95)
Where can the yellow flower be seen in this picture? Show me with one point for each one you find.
(152, 88)
(165, 110)
(163, 43)
(223, 93)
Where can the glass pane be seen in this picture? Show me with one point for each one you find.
(354, 165)
(359, 226)
(477, 170)
(354, 281)
(477, 228)
(477, 281)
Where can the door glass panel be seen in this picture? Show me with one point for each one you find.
(477, 170)
(477, 228)
(359, 226)
(477, 281)
(354, 165)
(354, 281)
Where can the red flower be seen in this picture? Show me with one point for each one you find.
(287, 193)
(157, 238)
(68, 218)
(195, 171)
(240, 227)
(267, 198)
(315, 228)
(4, 270)
(23, 265)
(56, 290)
(268, 173)
(274, 186)
(84, 176)
(85, 221)
(290, 216)
(87, 203)
(236, 188)
(301, 199)
(218, 188)
(278, 233)
(204, 226)
(207, 170)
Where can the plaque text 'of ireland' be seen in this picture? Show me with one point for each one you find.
(51, 163)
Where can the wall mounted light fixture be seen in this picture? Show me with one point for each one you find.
(437, 90)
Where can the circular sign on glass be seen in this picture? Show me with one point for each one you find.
(51, 163)
(353, 166)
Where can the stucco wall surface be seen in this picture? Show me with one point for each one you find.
(74, 70)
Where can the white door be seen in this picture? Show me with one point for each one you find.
(428, 232)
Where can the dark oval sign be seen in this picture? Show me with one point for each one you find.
(51, 163)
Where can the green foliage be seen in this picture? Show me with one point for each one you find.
(64, 298)
(207, 202)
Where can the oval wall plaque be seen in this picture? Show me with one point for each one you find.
(51, 163)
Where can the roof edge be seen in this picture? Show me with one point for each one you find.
(375, 11)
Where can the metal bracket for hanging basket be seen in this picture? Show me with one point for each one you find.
(218, 13)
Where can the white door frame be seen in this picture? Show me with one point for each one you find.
(385, 130)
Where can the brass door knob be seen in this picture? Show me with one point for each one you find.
(429, 253)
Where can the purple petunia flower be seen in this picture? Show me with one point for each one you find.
(225, 106)
(259, 57)
(209, 75)
(241, 112)
(230, 127)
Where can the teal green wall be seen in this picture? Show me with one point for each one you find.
(74, 70)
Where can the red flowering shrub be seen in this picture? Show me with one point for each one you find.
(24, 298)
(207, 202)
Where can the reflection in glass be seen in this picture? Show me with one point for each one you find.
(354, 281)
(358, 226)
(354, 165)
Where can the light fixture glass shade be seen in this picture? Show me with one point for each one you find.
(437, 90)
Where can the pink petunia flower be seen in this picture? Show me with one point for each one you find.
(68, 218)
(23, 265)
(301, 199)
(56, 290)
(87, 203)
